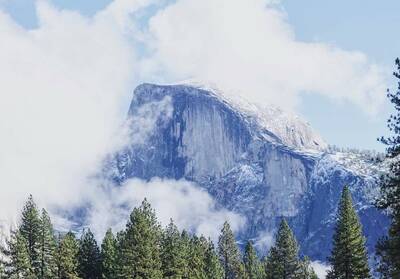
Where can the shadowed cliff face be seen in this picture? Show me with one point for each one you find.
(250, 163)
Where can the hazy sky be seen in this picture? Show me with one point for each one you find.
(368, 26)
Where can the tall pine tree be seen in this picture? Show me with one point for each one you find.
(109, 256)
(229, 254)
(173, 251)
(252, 264)
(141, 250)
(389, 248)
(89, 256)
(198, 248)
(19, 264)
(306, 270)
(67, 257)
(30, 230)
(213, 268)
(47, 248)
(186, 250)
(349, 256)
(283, 260)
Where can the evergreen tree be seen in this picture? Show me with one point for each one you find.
(141, 249)
(198, 248)
(349, 257)
(229, 254)
(389, 248)
(213, 268)
(89, 257)
(252, 264)
(19, 264)
(172, 253)
(67, 257)
(186, 251)
(2, 270)
(109, 256)
(30, 230)
(121, 261)
(48, 246)
(306, 270)
(282, 260)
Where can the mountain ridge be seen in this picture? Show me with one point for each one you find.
(258, 173)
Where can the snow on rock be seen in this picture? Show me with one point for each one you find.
(261, 163)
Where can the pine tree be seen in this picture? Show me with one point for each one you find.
(306, 271)
(252, 264)
(67, 257)
(141, 251)
(109, 256)
(30, 230)
(186, 251)
(349, 257)
(89, 257)
(2, 270)
(389, 248)
(121, 260)
(198, 248)
(229, 254)
(283, 259)
(47, 248)
(213, 268)
(19, 264)
(172, 253)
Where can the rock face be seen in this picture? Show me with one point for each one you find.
(258, 162)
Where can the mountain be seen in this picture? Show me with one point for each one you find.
(257, 161)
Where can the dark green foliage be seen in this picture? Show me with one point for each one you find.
(32, 246)
(121, 260)
(48, 246)
(89, 257)
(19, 264)
(173, 253)
(109, 256)
(142, 251)
(349, 257)
(252, 264)
(67, 257)
(30, 230)
(306, 271)
(283, 260)
(186, 248)
(229, 254)
(141, 245)
(389, 248)
(2, 270)
(198, 248)
(213, 268)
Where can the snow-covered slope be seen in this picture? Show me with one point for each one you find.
(259, 162)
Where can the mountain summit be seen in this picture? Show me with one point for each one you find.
(259, 162)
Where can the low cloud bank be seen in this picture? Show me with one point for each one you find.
(190, 207)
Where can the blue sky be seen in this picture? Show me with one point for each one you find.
(365, 25)
(368, 26)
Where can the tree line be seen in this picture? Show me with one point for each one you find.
(146, 250)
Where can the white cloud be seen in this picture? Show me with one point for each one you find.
(264, 241)
(320, 269)
(64, 87)
(248, 47)
(190, 207)
(61, 88)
